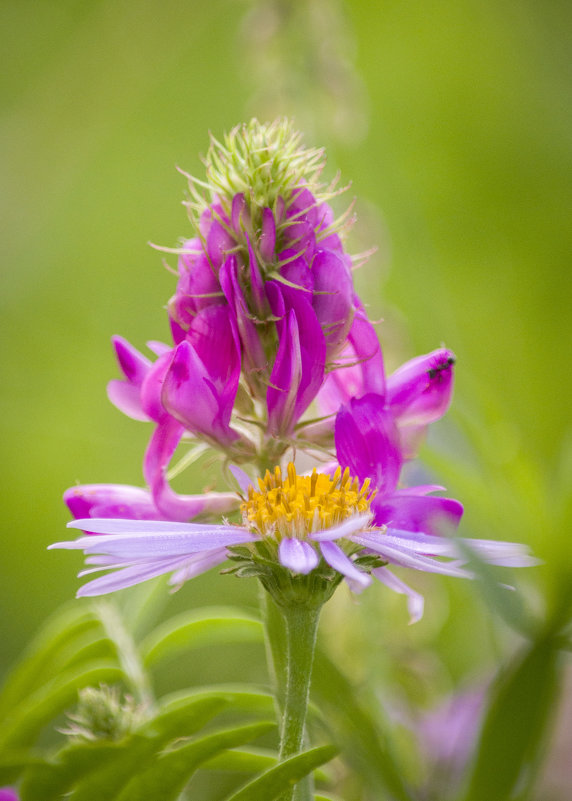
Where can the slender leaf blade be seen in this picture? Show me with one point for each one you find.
(283, 776)
(199, 628)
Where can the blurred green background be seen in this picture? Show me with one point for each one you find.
(453, 121)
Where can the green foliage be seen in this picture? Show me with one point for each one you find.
(514, 730)
(143, 748)
(283, 776)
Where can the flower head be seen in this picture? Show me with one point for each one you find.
(300, 535)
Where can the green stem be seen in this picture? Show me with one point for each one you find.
(301, 624)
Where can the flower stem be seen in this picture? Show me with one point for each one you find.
(301, 624)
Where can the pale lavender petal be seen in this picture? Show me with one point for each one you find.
(501, 554)
(367, 442)
(345, 529)
(415, 601)
(401, 555)
(129, 576)
(162, 545)
(297, 555)
(119, 526)
(198, 564)
(337, 559)
(241, 478)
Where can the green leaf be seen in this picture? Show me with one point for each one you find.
(22, 727)
(360, 735)
(242, 698)
(135, 753)
(200, 627)
(516, 722)
(185, 718)
(13, 763)
(283, 776)
(166, 777)
(48, 652)
(243, 761)
(50, 780)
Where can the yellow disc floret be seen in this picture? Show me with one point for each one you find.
(296, 505)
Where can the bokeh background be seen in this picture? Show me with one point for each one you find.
(453, 122)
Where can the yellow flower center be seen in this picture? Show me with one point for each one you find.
(296, 505)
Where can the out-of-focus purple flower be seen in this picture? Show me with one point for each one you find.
(7, 794)
(448, 733)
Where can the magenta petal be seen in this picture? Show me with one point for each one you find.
(337, 559)
(285, 379)
(367, 442)
(333, 297)
(126, 395)
(420, 391)
(359, 369)
(415, 602)
(297, 555)
(239, 215)
(200, 399)
(253, 352)
(267, 243)
(219, 242)
(110, 500)
(127, 398)
(256, 283)
(133, 364)
(430, 514)
(152, 388)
